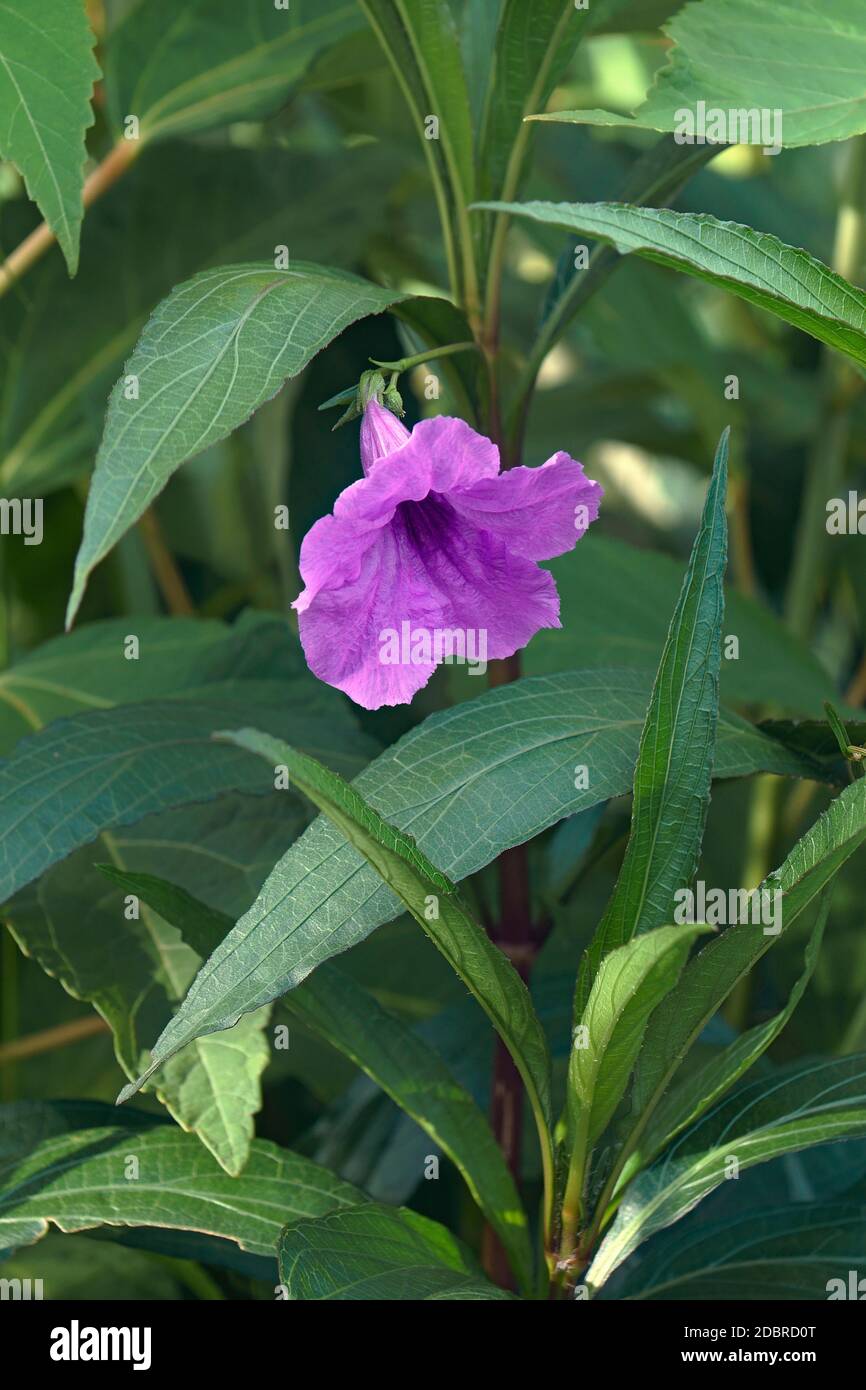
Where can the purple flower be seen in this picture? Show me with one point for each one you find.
(433, 553)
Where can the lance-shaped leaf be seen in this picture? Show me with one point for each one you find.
(755, 266)
(323, 897)
(727, 57)
(92, 772)
(709, 978)
(420, 40)
(792, 1252)
(808, 1103)
(373, 1252)
(47, 72)
(631, 981)
(684, 1104)
(216, 349)
(433, 901)
(675, 763)
(70, 1165)
(210, 62)
(535, 42)
(346, 1015)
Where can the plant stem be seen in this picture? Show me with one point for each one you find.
(405, 364)
(166, 572)
(826, 467)
(50, 1038)
(34, 246)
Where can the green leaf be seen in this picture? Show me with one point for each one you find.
(89, 670)
(323, 897)
(432, 900)
(755, 266)
(420, 40)
(176, 215)
(351, 1019)
(616, 600)
(675, 762)
(374, 1252)
(67, 1164)
(631, 981)
(221, 345)
(535, 42)
(728, 55)
(710, 977)
(686, 1102)
(47, 72)
(107, 768)
(212, 62)
(808, 1103)
(789, 1253)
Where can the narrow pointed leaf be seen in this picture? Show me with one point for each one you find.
(340, 1010)
(789, 1253)
(684, 1104)
(212, 62)
(432, 899)
(323, 897)
(534, 44)
(216, 349)
(808, 1103)
(755, 266)
(47, 72)
(631, 981)
(675, 762)
(709, 978)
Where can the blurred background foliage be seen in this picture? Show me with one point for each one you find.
(635, 389)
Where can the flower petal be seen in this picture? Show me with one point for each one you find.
(381, 434)
(432, 571)
(534, 510)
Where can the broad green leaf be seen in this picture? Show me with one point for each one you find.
(616, 601)
(221, 345)
(755, 266)
(47, 72)
(67, 1165)
(433, 901)
(709, 978)
(631, 981)
(534, 45)
(792, 56)
(686, 1102)
(134, 967)
(176, 216)
(98, 1271)
(340, 1010)
(323, 897)
(205, 63)
(373, 1252)
(788, 1253)
(675, 762)
(807, 1103)
(107, 768)
(89, 669)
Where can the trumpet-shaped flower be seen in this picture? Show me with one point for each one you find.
(433, 553)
